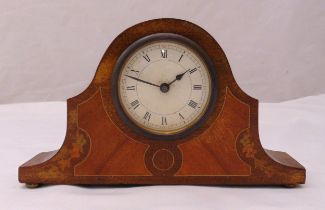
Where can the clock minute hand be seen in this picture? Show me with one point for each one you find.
(178, 77)
(140, 80)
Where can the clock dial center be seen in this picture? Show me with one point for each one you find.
(165, 99)
(164, 87)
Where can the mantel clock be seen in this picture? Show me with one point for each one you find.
(163, 108)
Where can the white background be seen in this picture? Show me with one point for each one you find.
(49, 50)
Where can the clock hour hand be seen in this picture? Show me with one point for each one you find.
(140, 80)
(178, 77)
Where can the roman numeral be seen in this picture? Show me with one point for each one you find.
(197, 87)
(192, 104)
(164, 53)
(192, 70)
(179, 60)
(146, 57)
(163, 121)
(180, 115)
(135, 71)
(147, 116)
(135, 104)
(130, 87)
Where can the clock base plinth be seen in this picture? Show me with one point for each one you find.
(33, 172)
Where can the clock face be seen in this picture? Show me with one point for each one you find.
(164, 85)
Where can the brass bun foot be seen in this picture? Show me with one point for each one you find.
(290, 185)
(31, 186)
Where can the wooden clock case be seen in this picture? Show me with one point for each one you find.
(100, 149)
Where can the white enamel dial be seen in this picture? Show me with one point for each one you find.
(164, 87)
